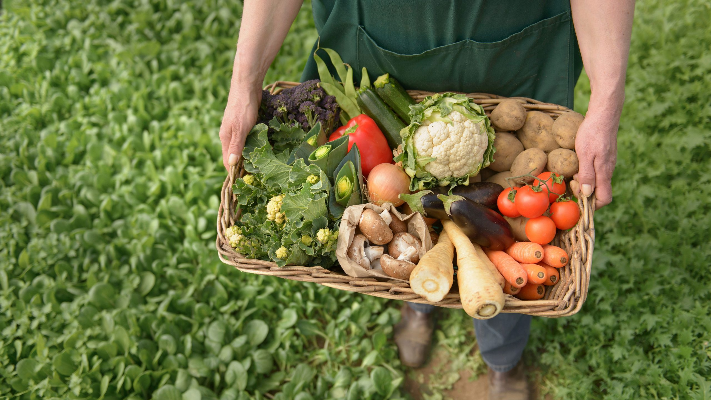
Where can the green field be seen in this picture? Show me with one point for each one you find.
(110, 173)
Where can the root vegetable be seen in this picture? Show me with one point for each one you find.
(563, 162)
(490, 266)
(537, 132)
(553, 275)
(531, 161)
(518, 228)
(532, 292)
(509, 115)
(481, 295)
(511, 270)
(555, 256)
(433, 276)
(536, 273)
(500, 178)
(511, 289)
(526, 252)
(565, 129)
(507, 148)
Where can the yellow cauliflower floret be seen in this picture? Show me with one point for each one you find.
(282, 252)
(274, 209)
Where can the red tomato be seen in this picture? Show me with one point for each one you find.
(531, 204)
(372, 144)
(556, 185)
(565, 214)
(540, 230)
(506, 206)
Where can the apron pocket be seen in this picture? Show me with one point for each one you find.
(535, 62)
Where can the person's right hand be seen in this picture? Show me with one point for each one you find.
(239, 118)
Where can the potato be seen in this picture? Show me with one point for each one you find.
(563, 162)
(475, 178)
(531, 161)
(500, 178)
(537, 132)
(565, 128)
(509, 115)
(486, 173)
(507, 148)
(518, 228)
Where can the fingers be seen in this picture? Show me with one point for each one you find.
(236, 145)
(586, 173)
(225, 139)
(603, 182)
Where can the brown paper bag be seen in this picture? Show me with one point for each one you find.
(416, 226)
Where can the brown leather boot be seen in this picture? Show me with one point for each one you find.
(413, 336)
(509, 385)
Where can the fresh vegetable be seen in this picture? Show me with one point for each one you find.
(427, 203)
(506, 205)
(526, 252)
(511, 289)
(502, 179)
(540, 230)
(362, 130)
(529, 162)
(509, 268)
(394, 96)
(537, 132)
(532, 291)
(482, 225)
(552, 273)
(434, 274)
(507, 149)
(555, 256)
(481, 295)
(518, 228)
(302, 106)
(347, 181)
(280, 204)
(565, 214)
(536, 274)
(531, 201)
(386, 183)
(551, 183)
(375, 228)
(387, 120)
(405, 246)
(330, 155)
(449, 139)
(344, 91)
(563, 162)
(509, 115)
(490, 266)
(399, 269)
(565, 129)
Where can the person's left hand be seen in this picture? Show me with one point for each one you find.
(596, 147)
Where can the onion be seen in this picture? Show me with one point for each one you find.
(386, 182)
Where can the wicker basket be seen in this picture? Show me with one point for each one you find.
(564, 298)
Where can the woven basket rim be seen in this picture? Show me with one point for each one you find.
(562, 299)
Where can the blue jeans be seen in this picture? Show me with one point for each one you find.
(501, 339)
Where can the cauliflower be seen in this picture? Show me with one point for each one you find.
(312, 179)
(274, 209)
(282, 253)
(248, 179)
(234, 235)
(450, 138)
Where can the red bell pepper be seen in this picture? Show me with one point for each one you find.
(371, 142)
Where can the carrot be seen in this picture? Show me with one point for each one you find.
(512, 271)
(531, 292)
(526, 252)
(553, 275)
(511, 289)
(434, 274)
(481, 295)
(554, 256)
(536, 274)
(490, 266)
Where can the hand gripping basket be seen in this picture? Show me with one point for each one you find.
(563, 299)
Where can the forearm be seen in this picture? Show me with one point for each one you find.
(604, 29)
(265, 24)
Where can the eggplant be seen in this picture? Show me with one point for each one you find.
(427, 202)
(482, 225)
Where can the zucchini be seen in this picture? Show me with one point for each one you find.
(395, 96)
(387, 120)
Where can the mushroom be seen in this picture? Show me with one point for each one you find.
(374, 227)
(373, 253)
(405, 246)
(385, 215)
(398, 226)
(400, 269)
(356, 251)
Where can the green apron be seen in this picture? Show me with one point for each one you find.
(509, 48)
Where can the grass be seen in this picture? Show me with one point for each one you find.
(109, 172)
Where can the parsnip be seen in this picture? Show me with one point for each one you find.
(481, 295)
(434, 274)
(490, 266)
